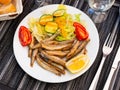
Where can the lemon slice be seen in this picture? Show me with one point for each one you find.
(78, 63)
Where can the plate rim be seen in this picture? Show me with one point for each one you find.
(54, 81)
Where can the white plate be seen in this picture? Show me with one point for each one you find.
(21, 53)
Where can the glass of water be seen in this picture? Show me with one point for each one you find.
(98, 8)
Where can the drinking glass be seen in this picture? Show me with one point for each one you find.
(99, 9)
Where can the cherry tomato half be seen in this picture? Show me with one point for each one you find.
(80, 31)
(24, 36)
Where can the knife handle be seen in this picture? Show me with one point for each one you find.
(107, 84)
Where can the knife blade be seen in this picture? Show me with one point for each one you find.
(114, 70)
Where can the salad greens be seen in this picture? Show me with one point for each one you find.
(48, 24)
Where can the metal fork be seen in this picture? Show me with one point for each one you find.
(107, 48)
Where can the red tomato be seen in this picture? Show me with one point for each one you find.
(80, 31)
(24, 36)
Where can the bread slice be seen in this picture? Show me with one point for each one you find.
(5, 1)
(7, 8)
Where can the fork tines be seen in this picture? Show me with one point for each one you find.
(111, 38)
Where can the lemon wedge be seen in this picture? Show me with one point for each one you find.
(78, 63)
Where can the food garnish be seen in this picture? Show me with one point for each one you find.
(45, 18)
(24, 36)
(78, 63)
(59, 13)
(51, 27)
(80, 31)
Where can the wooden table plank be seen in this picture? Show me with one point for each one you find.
(11, 75)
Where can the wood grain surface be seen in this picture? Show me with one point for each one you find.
(12, 77)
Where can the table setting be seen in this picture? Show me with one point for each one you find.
(60, 44)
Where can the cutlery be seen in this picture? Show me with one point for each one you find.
(115, 63)
(107, 48)
(115, 67)
(63, 1)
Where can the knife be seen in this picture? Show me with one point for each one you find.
(114, 70)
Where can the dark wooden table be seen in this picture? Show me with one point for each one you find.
(13, 77)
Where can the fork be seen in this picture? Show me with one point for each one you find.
(107, 48)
